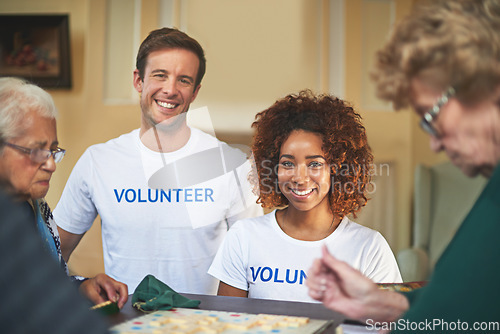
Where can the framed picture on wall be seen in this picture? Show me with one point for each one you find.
(36, 47)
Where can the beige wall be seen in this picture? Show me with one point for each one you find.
(257, 51)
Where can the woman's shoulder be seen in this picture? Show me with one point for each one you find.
(256, 223)
(358, 230)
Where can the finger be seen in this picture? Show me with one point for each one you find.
(114, 290)
(314, 270)
(336, 266)
(326, 253)
(123, 292)
(91, 290)
(316, 294)
(319, 285)
(350, 282)
(316, 276)
(107, 284)
(316, 283)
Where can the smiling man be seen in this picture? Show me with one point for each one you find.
(164, 208)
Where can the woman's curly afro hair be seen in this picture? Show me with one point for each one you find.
(344, 144)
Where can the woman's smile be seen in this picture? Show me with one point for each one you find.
(303, 172)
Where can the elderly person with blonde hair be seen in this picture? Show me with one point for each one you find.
(444, 61)
(29, 152)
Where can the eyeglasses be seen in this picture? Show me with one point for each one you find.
(430, 115)
(39, 155)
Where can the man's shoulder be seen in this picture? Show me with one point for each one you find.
(203, 138)
(233, 152)
(124, 141)
(208, 138)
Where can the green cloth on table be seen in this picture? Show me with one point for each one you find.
(152, 294)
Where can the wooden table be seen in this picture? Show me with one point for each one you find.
(246, 305)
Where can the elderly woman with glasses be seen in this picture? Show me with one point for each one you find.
(444, 61)
(29, 152)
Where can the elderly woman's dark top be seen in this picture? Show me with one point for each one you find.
(36, 295)
(465, 284)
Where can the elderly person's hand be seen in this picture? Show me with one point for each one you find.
(103, 288)
(346, 290)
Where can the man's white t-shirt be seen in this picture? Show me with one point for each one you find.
(258, 257)
(154, 220)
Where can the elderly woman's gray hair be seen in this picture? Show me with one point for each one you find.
(17, 98)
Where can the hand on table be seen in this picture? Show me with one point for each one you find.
(344, 289)
(103, 288)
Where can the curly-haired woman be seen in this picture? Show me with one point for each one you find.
(312, 161)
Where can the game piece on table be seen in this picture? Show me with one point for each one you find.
(402, 287)
(106, 308)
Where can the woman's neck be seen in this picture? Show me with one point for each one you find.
(311, 225)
